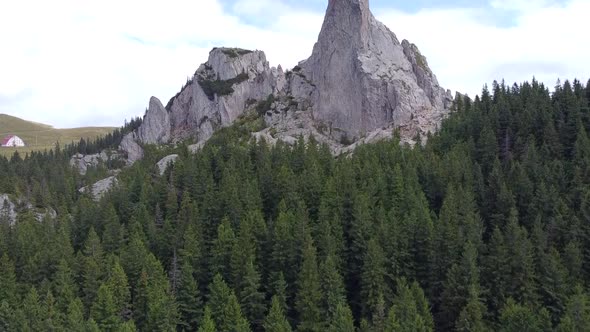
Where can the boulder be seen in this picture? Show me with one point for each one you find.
(100, 188)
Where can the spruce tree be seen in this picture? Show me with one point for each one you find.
(333, 291)
(373, 286)
(577, 312)
(8, 281)
(189, 299)
(207, 322)
(75, 316)
(276, 321)
(309, 293)
(342, 320)
(119, 286)
(251, 297)
(104, 310)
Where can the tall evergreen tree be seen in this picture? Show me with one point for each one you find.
(188, 299)
(276, 321)
(309, 292)
(104, 310)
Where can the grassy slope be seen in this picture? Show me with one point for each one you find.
(39, 136)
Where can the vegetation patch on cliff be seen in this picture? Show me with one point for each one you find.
(221, 87)
(235, 52)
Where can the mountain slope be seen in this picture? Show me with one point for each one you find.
(360, 85)
(40, 136)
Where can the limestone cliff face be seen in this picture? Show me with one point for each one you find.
(367, 80)
(219, 92)
(155, 128)
(358, 86)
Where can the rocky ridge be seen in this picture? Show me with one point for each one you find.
(359, 85)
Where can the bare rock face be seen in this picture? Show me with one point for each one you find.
(221, 89)
(7, 209)
(359, 85)
(165, 162)
(131, 148)
(100, 188)
(82, 162)
(155, 128)
(365, 79)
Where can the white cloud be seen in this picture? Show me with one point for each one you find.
(70, 63)
(465, 51)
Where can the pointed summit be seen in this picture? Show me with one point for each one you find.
(366, 79)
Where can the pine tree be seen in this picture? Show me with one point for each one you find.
(113, 231)
(162, 314)
(7, 319)
(222, 249)
(577, 313)
(309, 292)
(8, 281)
(461, 279)
(218, 296)
(207, 323)
(408, 310)
(392, 324)
(64, 286)
(373, 286)
(232, 318)
(192, 251)
(471, 317)
(251, 298)
(188, 299)
(518, 318)
(342, 320)
(52, 319)
(553, 287)
(128, 326)
(93, 269)
(119, 286)
(279, 290)
(75, 316)
(333, 291)
(276, 321)
(33, 311)
(104, 310)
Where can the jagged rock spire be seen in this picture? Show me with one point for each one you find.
(365, 78)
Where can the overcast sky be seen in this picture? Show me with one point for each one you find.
(80, 63)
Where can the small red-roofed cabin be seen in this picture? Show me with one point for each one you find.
(12, 141)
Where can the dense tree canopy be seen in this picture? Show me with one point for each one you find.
(486, 227)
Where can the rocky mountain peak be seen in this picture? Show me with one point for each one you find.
(366, 80)
(359, 85)
(218, 93)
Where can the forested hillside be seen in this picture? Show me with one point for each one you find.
(485, 228)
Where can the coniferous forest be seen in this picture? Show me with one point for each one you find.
(486, 227)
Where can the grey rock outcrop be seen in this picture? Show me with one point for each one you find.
(359, 85)
(7, 209)
(82, 162)
(165, 162)
(155, 128)
(133, 150)
(220, 91)
(100, 188)
(365, 79)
